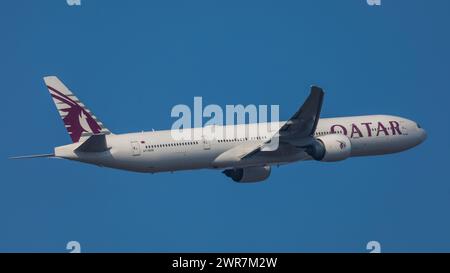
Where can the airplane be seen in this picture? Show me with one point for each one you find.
(249, 158)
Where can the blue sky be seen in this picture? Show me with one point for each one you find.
(132, 61)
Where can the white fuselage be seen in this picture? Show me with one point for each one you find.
(159, 151)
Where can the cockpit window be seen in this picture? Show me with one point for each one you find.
(418, 126)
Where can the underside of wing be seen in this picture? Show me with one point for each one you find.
(298, 131)
(94, 144)
(304, 122)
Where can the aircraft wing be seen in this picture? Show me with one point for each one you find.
(299, 130)
(304, 122)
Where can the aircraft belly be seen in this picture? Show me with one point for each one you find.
(175, 161)
(380, 145)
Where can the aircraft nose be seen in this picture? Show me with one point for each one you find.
(423, 135)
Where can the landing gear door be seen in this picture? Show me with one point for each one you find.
(135, 148)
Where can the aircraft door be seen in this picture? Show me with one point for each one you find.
(135, 148)
(206, 144)
(404, 128)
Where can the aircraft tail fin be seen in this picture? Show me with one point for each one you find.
(79, 121)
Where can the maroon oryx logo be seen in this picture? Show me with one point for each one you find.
(76, 118)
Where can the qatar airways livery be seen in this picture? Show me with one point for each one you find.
(246, 155)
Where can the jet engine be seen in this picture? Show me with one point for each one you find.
(248, 174)
(330, 148)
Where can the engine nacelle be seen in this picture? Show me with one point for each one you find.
(330, 148)
(248, 174)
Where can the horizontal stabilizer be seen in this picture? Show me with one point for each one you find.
(94, 144)
(32, 156)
